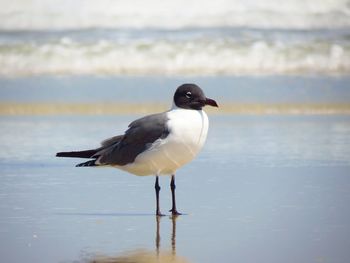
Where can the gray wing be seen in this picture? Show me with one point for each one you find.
(110, 141)
(121, 150)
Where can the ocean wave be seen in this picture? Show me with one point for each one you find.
(207, 56)
(79, 14)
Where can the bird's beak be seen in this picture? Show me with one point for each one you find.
(211, 102)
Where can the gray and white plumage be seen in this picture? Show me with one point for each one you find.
(138, 138)
(156, 144)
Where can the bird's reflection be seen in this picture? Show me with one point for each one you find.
(148, 256)
(173, 234)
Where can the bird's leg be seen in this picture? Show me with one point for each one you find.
(157, 187)
(172, 186)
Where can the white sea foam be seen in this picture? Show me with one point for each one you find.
(143, 57)
(190, 37)
(68, 14)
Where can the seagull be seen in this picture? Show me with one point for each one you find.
(157, 144)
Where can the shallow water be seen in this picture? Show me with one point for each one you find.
(264, 189)
(159, 89)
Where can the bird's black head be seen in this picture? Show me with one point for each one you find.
(190, 96)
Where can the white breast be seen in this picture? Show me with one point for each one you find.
(188, 132)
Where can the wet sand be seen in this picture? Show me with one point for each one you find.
(266, 188)
(149, 108)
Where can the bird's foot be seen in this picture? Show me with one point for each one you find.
(158, 213)
(174, 212)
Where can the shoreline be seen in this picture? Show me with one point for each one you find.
(27, 109)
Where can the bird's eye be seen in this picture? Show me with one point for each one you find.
(188, 95)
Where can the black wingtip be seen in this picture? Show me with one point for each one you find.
(65, 154)
(87, 164)
(78, 154)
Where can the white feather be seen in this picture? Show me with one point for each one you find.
(188, 132)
